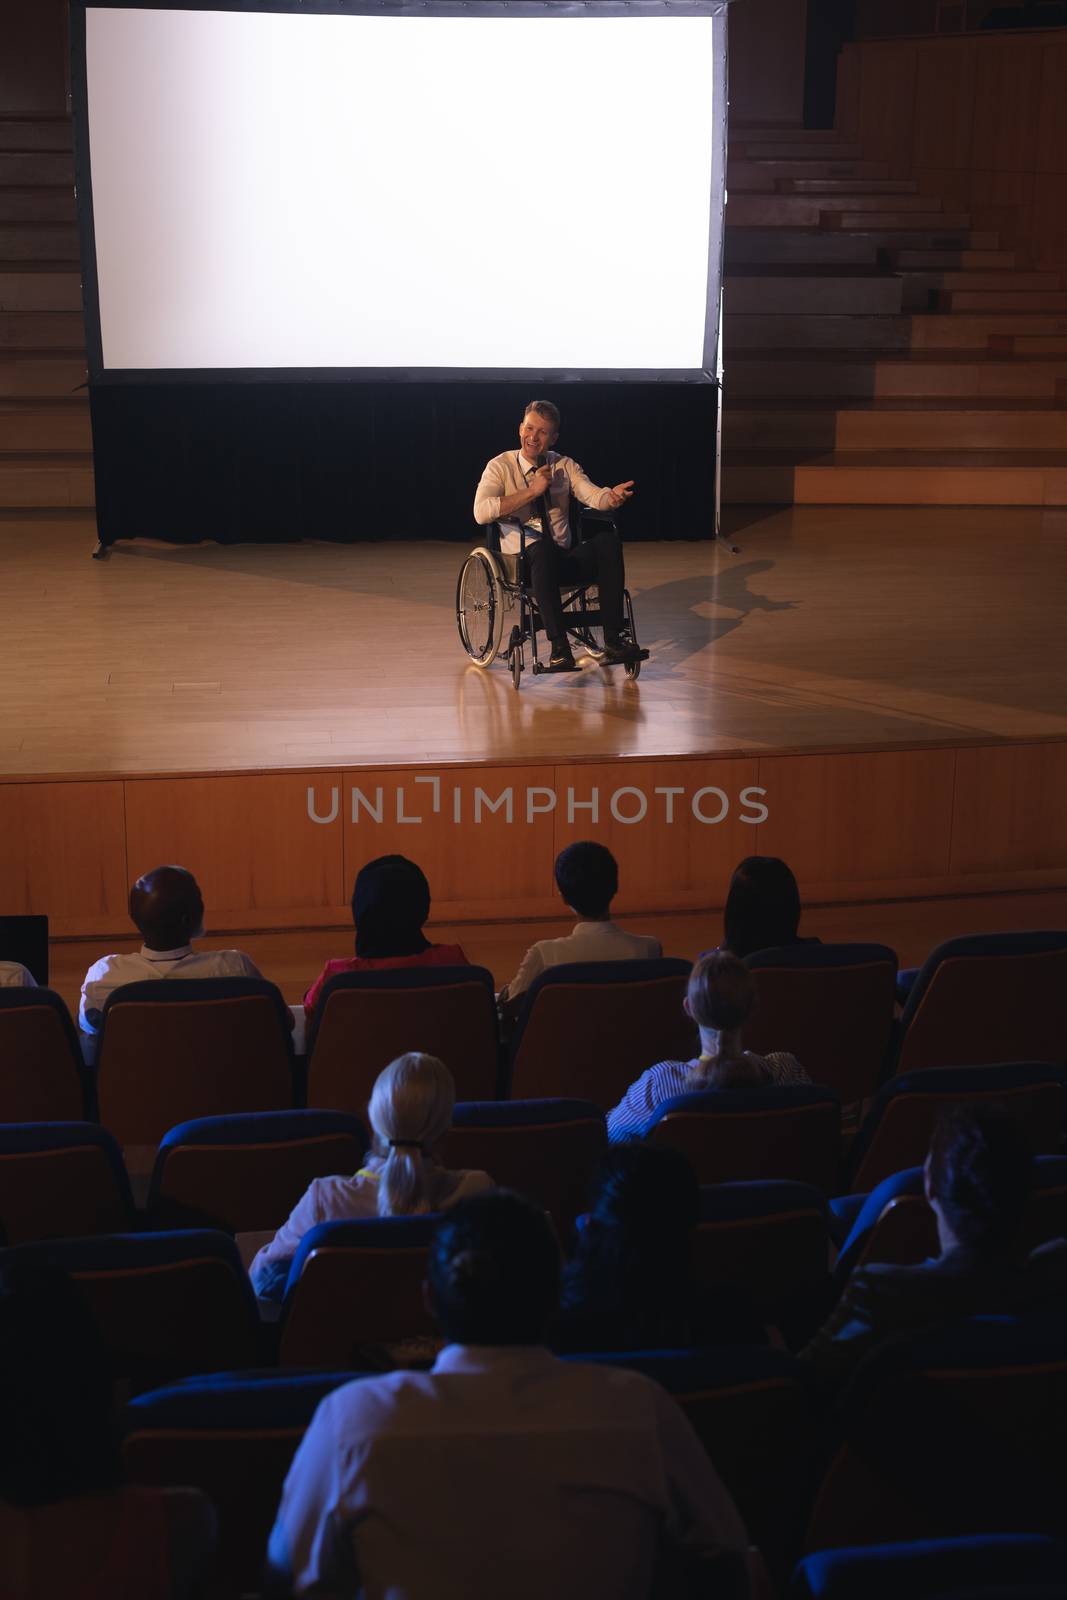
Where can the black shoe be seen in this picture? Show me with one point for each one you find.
(621, 652)
(561, 660)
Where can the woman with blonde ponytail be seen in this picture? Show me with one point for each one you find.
(410, 1113)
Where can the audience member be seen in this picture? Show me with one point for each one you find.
(13, 975)
(587, 877)
(69, 1526)
(167, 909)
(390, 904)
(977, 1177)
(503, 1471)
(719, 998)
(628, 1284)
(762, 907)
(410, 1112)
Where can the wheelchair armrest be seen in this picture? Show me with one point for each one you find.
(603, 519)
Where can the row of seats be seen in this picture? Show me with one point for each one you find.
(942, 1435)
(589, 1030)
(245, 1173)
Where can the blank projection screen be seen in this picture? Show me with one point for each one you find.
(406, 191)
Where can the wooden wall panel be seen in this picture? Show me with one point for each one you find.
(478, 866)
(667, 864)
(63, 853)
(1007, 101)
(766, 42)
(1052, 115)
(887, 104)
(884, 815)
(33, 58)
(1009, 811)
(944, 105)
(258, 859)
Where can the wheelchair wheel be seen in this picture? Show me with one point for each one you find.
(632, 669)
(480, 607)
(515, 660)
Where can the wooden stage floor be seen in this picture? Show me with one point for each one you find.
(837, 628)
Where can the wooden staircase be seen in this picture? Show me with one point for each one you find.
(878, 349)
(45, 445)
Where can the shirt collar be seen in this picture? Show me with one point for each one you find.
(472, 1358)
(528, 465)
(166, 955)
(595, 927)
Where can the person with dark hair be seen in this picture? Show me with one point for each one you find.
(69, 1525)
(762, 909)
(977, 1179)
(390, 903)
(627, 1286)
(587, 877)
(720, 997)
(503, 1471)
(532, 487)
(167, 909)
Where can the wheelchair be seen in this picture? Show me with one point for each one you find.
(493, 592)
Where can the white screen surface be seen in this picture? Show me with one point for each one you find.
(308, 191)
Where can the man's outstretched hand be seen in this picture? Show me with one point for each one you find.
(621, 493)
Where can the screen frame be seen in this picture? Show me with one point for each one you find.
(539, 377)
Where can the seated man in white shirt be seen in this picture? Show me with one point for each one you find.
(167, 909)
(503, 1470)
(13, 975)
(532, 486)
(587, 876)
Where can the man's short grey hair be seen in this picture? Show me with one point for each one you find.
(546, 409)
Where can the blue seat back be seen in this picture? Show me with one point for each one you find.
(547, 1149)
(729, 1135)
(42, 1075)
(59, 1180)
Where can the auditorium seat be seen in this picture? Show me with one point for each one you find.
(948, 1432)
(761, 1251)
(895, 1224)
(987, 997)
(172, 1049)
(547, 1149)
(167, 1304)
(831, 1006)
(757, 1412)
(42, 1076)
(233, 1436)
(897, 1130)
(61, 1180)
(790, 1131)
(1018, 1564)
(355, 1288)
(364, 1020)
(246, 1173)
(589, 1028)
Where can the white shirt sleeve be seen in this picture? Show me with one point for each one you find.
(307, 1212)
(95, 991)
(489, 493)
(13, 975)
(531, 966)
(584, 489)
(310, 1546)
(703, 1524)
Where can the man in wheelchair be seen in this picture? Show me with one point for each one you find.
(528, 490)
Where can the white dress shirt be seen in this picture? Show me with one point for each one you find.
(511, 471)
(502, 1472)
(589, 941)
(111, 972)
(13, 975)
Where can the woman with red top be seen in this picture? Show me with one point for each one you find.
(390, 903)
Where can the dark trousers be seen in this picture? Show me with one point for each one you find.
(597, 560)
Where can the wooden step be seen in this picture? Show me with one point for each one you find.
(847, 186)
(39, 373)
(922, 290)
(46, 241)
(797, 247)
(60, 426)
(793, 150)
(898, 477)
(782, 130)
(935, 425)
(47, 480)
(40, 291)
(41, 330)
(863, 375)
(760, 176)
(43, 169)
(899, 219)
(35, 133)
(792, 330)
(1024, 344)
(812, 211)
(968, 300)
(949, 260)
(837, 290)
(37, 205)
